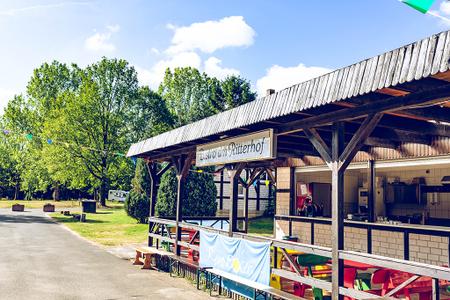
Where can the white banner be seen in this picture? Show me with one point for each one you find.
(251, 147)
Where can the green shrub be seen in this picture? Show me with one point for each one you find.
(199, 197)
(137, 205)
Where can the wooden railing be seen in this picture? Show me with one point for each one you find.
(436, 273)
(405, 229)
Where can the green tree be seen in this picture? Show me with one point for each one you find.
(235, 91)
(191, 96)
(199, 198)
(137, 203)
(95, 122)
(188, 94)
(19, 118)
(9, 164)
(28, 114)
(151, 115)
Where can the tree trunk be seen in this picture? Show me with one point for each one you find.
(103, 192)
(56, 192)
(104, 183)
(16, 191)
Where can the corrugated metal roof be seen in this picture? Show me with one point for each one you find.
(412, 62)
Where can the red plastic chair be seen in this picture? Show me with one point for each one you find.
(349, 279)
(383, 277)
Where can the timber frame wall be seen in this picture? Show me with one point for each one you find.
(261, 195)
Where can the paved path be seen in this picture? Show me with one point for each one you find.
(40, 259)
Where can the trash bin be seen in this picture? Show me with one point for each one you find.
(89, 206)
(49, 207)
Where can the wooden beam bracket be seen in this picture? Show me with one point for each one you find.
(358, 139)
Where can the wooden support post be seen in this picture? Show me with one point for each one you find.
(154, 182)
(371, 180)
(182, 165)
(406, 245)
(179, 212)
(292, 185)
(221, 191)
(435, 289)
(258, 194)
(275, 207)
(246, 202)
(234, 174)
(337, 208)
(338, 161)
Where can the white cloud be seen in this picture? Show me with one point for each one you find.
(188, 41)
(101, 42)
(15, 11)
(153, 77)
(5, 96)
(444, 10)
(154, 51)
(213, 67)
(210, 36)
(445, 7)
(278, 77)
(113, 28)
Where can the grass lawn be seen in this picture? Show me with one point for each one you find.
(38, 203)
(112, 227)
(109, 226)
(261, 226)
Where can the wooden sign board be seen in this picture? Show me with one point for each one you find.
(251, 147)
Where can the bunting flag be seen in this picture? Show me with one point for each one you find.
(267, 182)
(30, 137)
(421, 5)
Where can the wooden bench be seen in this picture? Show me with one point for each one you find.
(144, 256)
(258, 289)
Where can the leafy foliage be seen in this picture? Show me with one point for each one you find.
(188, 95)
(88, 113)
(191, 96)
(199, 198)
(93, 114)
(235, 91)
(137, 206)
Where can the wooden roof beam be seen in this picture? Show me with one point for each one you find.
(386, 105)
(433, 113)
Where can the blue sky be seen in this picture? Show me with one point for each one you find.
(272, 43)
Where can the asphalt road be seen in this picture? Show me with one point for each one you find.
(40, 259)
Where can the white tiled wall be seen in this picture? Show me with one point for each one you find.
(355, 178)
(433, 176)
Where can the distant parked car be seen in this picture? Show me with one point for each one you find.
(117, 195)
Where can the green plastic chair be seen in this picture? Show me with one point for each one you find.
(309, 261)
